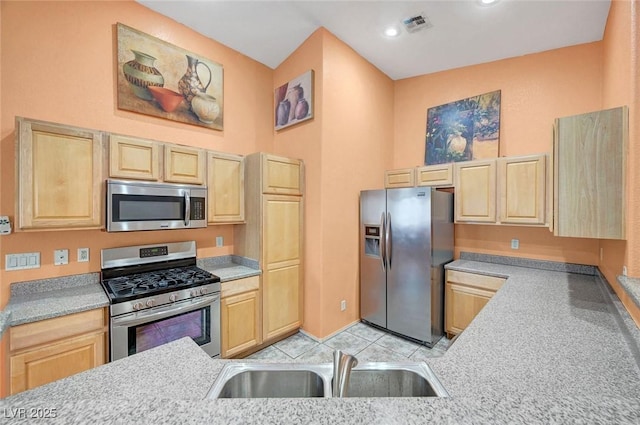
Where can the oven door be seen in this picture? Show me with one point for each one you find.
(198, 318)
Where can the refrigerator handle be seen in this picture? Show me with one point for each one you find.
(383, 256)
(387, 245)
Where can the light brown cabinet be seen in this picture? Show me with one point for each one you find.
(273, 234)
(225, 183)
(465, 295)
(240, 319)
(589, 174)
(183, 164)
(508, 190)
(60, 176)
(133, 158)
(404, 177)
(439, 175)
(52, 349)
(475, 191)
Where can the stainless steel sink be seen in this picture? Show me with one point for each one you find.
(271, 380)
(394, 380)
(294, 380)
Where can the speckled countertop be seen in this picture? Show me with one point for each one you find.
(230, 267)
(549, 347)
(47, 298)
(5, 320)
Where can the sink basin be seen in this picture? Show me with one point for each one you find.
(394, 380)
(295, 380)
(267, 380)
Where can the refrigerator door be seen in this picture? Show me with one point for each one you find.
(409, 262)
(373, 289)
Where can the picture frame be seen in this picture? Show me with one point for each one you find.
(156, 78)
(464, 130)
(293, 101)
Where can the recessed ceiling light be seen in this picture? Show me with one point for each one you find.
(487, 2)
(391, 32)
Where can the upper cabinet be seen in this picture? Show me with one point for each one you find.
(509, 190)
(183, 164)
(404, 177)
(475, 191)
(132, 158)
(60, 176)
(440, 175)
(225, 183)
(140, 159)
(281, 176)
(589, 174)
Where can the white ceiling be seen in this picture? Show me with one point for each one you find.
(463, 33)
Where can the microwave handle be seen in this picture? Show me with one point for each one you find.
(187, 208)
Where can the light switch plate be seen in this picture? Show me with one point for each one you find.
(515, 243)
(29, 260)
(60, 257)
(5, 225)
(219, 241)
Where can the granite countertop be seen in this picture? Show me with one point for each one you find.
(5, 320)
(48, 298)
(230, 267)
(549, 347)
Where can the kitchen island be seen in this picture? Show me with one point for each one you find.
(550, 347)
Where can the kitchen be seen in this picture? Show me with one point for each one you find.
(552, 84)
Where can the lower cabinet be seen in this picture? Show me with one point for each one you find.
(48, 350)
(465, 295)
(240, 314)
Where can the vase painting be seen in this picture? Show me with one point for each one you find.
(464, 130)
(176, 76)
(293, 101)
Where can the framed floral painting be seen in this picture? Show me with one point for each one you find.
(464, 130)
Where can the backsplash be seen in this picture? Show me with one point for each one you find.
(530, 263)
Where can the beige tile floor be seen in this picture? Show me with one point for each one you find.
(363, 341)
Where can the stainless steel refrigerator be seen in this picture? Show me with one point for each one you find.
(406, 238)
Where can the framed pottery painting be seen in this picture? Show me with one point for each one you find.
(464, 130)
(294, 101)
(160, 79)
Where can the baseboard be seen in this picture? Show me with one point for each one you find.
(321, 340)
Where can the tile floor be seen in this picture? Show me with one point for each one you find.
(363, 341)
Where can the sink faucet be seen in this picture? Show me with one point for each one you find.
(342, 365)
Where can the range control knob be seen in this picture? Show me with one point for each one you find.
(172, 297)
(138, 306)
(195, 293)
(150, 303)
(203, 291)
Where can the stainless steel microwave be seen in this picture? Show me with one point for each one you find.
(133, 205)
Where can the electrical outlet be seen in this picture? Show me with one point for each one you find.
(515, 243)
(60, 257)
(219, 241)
(624, 270)
(343, 305)
(83, 255)
(601, 253)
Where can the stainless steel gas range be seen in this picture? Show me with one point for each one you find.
(158, 295)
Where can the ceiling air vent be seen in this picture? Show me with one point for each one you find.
(417, 23)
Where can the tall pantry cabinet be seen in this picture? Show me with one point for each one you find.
(273, 235)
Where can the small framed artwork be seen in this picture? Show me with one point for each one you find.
(160, 79)
(294, 101)
(464, 130)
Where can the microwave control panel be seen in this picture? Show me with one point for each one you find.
(198, 209)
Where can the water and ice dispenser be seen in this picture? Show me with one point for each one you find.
(372, 236)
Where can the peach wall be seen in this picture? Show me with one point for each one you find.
(535, 89)
(345, 149)
(304, 141)
(61, 57)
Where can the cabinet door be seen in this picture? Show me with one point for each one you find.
(131, 158)
(183, 164)
(282, 260)
(522, 182)
(475, 196)
(281, 175)
(399, 178)
(60, 176)
(240, 323)
(55, 361)
(462, 305)
(225, 183)
(435, 175)
(589, 175)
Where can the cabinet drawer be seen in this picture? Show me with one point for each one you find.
(491, 283)
(235, 287)
(46, 331)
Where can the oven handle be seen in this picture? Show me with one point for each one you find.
(143, 317)
(187, 207)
